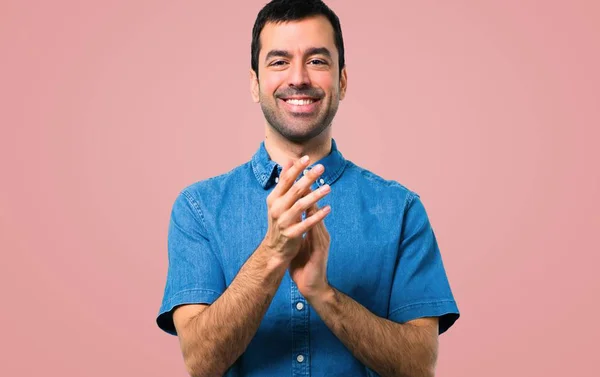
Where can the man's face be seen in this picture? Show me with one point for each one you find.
(299, 85)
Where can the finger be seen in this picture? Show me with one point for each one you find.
(312, 209)
(296, 230)
(286, 165)
(306, 191)
(304, 204)
(319, 226)
(287, 180)
(295, 192)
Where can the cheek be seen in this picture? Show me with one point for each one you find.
(268, 85)
(325, 82)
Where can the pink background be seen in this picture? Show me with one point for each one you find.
(489, 110)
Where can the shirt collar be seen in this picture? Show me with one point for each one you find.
(266, 170)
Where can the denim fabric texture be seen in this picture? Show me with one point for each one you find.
(383, 254)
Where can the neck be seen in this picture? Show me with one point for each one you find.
(281, 149)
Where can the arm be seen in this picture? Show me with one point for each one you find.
(213, 337)
(396, 347)
(387, 347)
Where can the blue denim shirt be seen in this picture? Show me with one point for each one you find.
(383, 254)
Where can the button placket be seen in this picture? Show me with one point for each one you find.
(300, 332)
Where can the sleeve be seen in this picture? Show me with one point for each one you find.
(194, 275)
(420, 287)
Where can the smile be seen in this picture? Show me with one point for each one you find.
(299, 102)
(301, 106)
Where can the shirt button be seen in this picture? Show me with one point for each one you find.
(321, 181)
(300, 358)
(305, 171)
(276, 179)
(299, 306)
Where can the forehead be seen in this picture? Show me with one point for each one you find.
(297, 35)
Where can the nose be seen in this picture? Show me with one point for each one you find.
(298, 76)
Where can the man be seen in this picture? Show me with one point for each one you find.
(264, 282)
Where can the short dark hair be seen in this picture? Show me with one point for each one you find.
(293, 10)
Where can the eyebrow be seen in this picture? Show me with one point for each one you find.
(286, 54)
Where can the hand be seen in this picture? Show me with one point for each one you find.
(309, 268)
(285, 205)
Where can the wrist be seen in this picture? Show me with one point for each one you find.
(322, 296)
(273, 260)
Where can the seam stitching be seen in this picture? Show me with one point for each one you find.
(173, 297)
(196, 207)
(423, 303)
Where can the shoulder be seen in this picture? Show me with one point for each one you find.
(372, 183)
(212, 187)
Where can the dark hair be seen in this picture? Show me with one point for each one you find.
(293, 10)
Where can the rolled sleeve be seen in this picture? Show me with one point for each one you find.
(195, 275)
(420, 287)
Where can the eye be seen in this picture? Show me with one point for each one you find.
(317, 61)
(277, 63)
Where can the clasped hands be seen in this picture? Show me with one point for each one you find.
(306, 257)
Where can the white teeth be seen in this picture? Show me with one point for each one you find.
(299, 102)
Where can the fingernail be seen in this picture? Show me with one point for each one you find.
(325, 188)
(318, 168)
(326, 209)
(304, 159)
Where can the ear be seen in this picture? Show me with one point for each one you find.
(254, 89)
(343, 83)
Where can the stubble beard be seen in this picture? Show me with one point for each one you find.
(306, 128)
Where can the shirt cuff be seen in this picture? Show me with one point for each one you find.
(189, 296)
(446, 310)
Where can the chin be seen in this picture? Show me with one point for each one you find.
(298, 135)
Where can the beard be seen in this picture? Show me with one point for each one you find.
(299, 127)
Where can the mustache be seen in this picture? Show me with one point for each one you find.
(306, 92)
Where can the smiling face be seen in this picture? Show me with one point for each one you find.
(299, 84)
